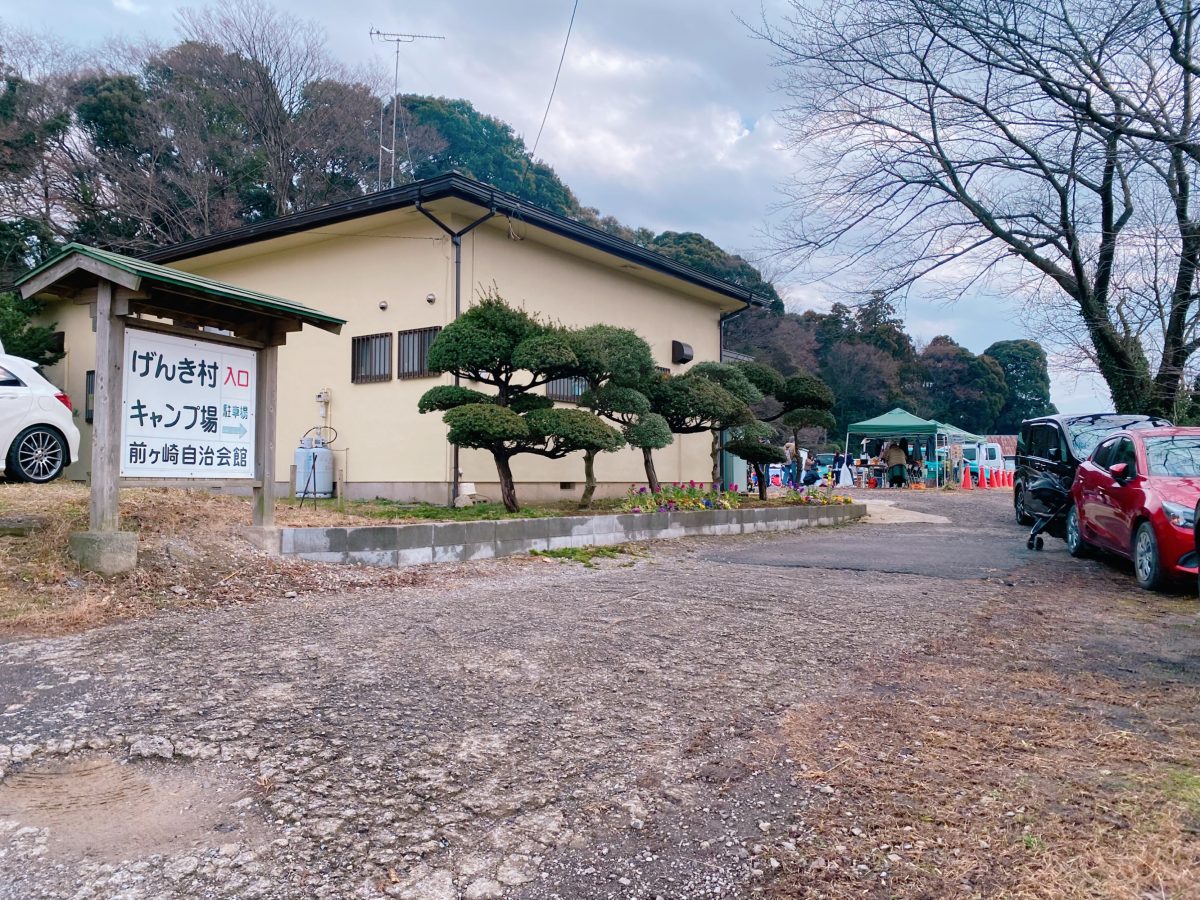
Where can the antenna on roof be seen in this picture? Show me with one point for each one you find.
(397, 38)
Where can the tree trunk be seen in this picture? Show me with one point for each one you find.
(762, 481)
(651, 475)
(716, 456)
(508, 490)
(589, 479)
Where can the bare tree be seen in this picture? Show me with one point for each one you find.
(284, 57)
(1045, 148)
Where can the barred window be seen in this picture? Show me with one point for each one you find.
(663, 370)
(566, 390)
(89, 396)
(371, 358)
(413, 361)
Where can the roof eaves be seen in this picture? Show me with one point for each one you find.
(461, 187)
(180, 279)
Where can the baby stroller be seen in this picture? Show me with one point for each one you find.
(1055, 497)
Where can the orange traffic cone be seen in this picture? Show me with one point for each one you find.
(982, 479)
(993, 478)
(966, 482)
(1008, 478)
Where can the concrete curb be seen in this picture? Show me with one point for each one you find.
(406, 545)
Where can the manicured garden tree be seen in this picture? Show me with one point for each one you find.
(512, 352)
(614, 362)
(801, 401)
(733, 378)
(753, 444)
(805, 401)
(709, 397)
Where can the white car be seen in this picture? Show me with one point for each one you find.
(38, 437)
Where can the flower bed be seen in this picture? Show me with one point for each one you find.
(694, 495)
(679, 497)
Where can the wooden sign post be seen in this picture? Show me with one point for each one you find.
(178, 401)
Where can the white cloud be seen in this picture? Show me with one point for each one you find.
(664, 114)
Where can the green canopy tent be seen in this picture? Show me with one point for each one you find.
(900, 423)
(956, 435)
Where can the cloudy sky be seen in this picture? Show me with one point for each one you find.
(664, 115)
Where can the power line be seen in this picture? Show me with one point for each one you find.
(554, 86)
(397, 38)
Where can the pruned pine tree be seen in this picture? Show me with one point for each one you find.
(513, 353)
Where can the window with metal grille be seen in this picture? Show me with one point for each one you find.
(413, 359)
(371, 358)
(89, 396)
(566, 390)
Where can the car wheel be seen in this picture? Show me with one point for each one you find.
(1147, 567)
(1076, 545)
(39, 454)
(1023, 516)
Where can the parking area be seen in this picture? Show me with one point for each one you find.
(898, 708)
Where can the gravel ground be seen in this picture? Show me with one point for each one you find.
(531, 729)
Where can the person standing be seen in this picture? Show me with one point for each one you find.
(896, 461)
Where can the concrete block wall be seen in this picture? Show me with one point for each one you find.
(406, 545)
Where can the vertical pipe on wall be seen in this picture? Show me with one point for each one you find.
(456, 241)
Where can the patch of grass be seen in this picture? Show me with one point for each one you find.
(1032, 842)
(1183, 786)
(585, 555)
(482, 512)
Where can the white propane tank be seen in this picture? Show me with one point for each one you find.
(314, 469)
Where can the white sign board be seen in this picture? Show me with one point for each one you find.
(187, 408)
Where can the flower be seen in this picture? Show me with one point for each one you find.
(691, 483)
(641, 490)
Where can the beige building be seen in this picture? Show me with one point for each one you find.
(396, 265)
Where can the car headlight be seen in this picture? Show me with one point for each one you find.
(1180, 515)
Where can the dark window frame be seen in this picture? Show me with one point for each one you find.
(371, 358)
(412, 352)
(89, 396)
(566, 390)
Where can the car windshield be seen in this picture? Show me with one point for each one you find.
(968, 452)
(1175, 457)
(1087, 433)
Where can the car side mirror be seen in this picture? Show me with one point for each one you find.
(1120, 471)
(1054, 454)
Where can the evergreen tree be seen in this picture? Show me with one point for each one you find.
(1027, 383)
(511, 352)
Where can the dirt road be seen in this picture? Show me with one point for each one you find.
(903, 709)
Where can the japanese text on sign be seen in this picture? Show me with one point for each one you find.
(187, 408)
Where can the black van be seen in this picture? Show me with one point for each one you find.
(1058, 444)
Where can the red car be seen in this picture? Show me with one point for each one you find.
(1137, 496)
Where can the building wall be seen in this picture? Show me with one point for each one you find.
(384, 446)
(70, 373)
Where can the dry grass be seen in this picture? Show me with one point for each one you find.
(990, 779)
(190, 553)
